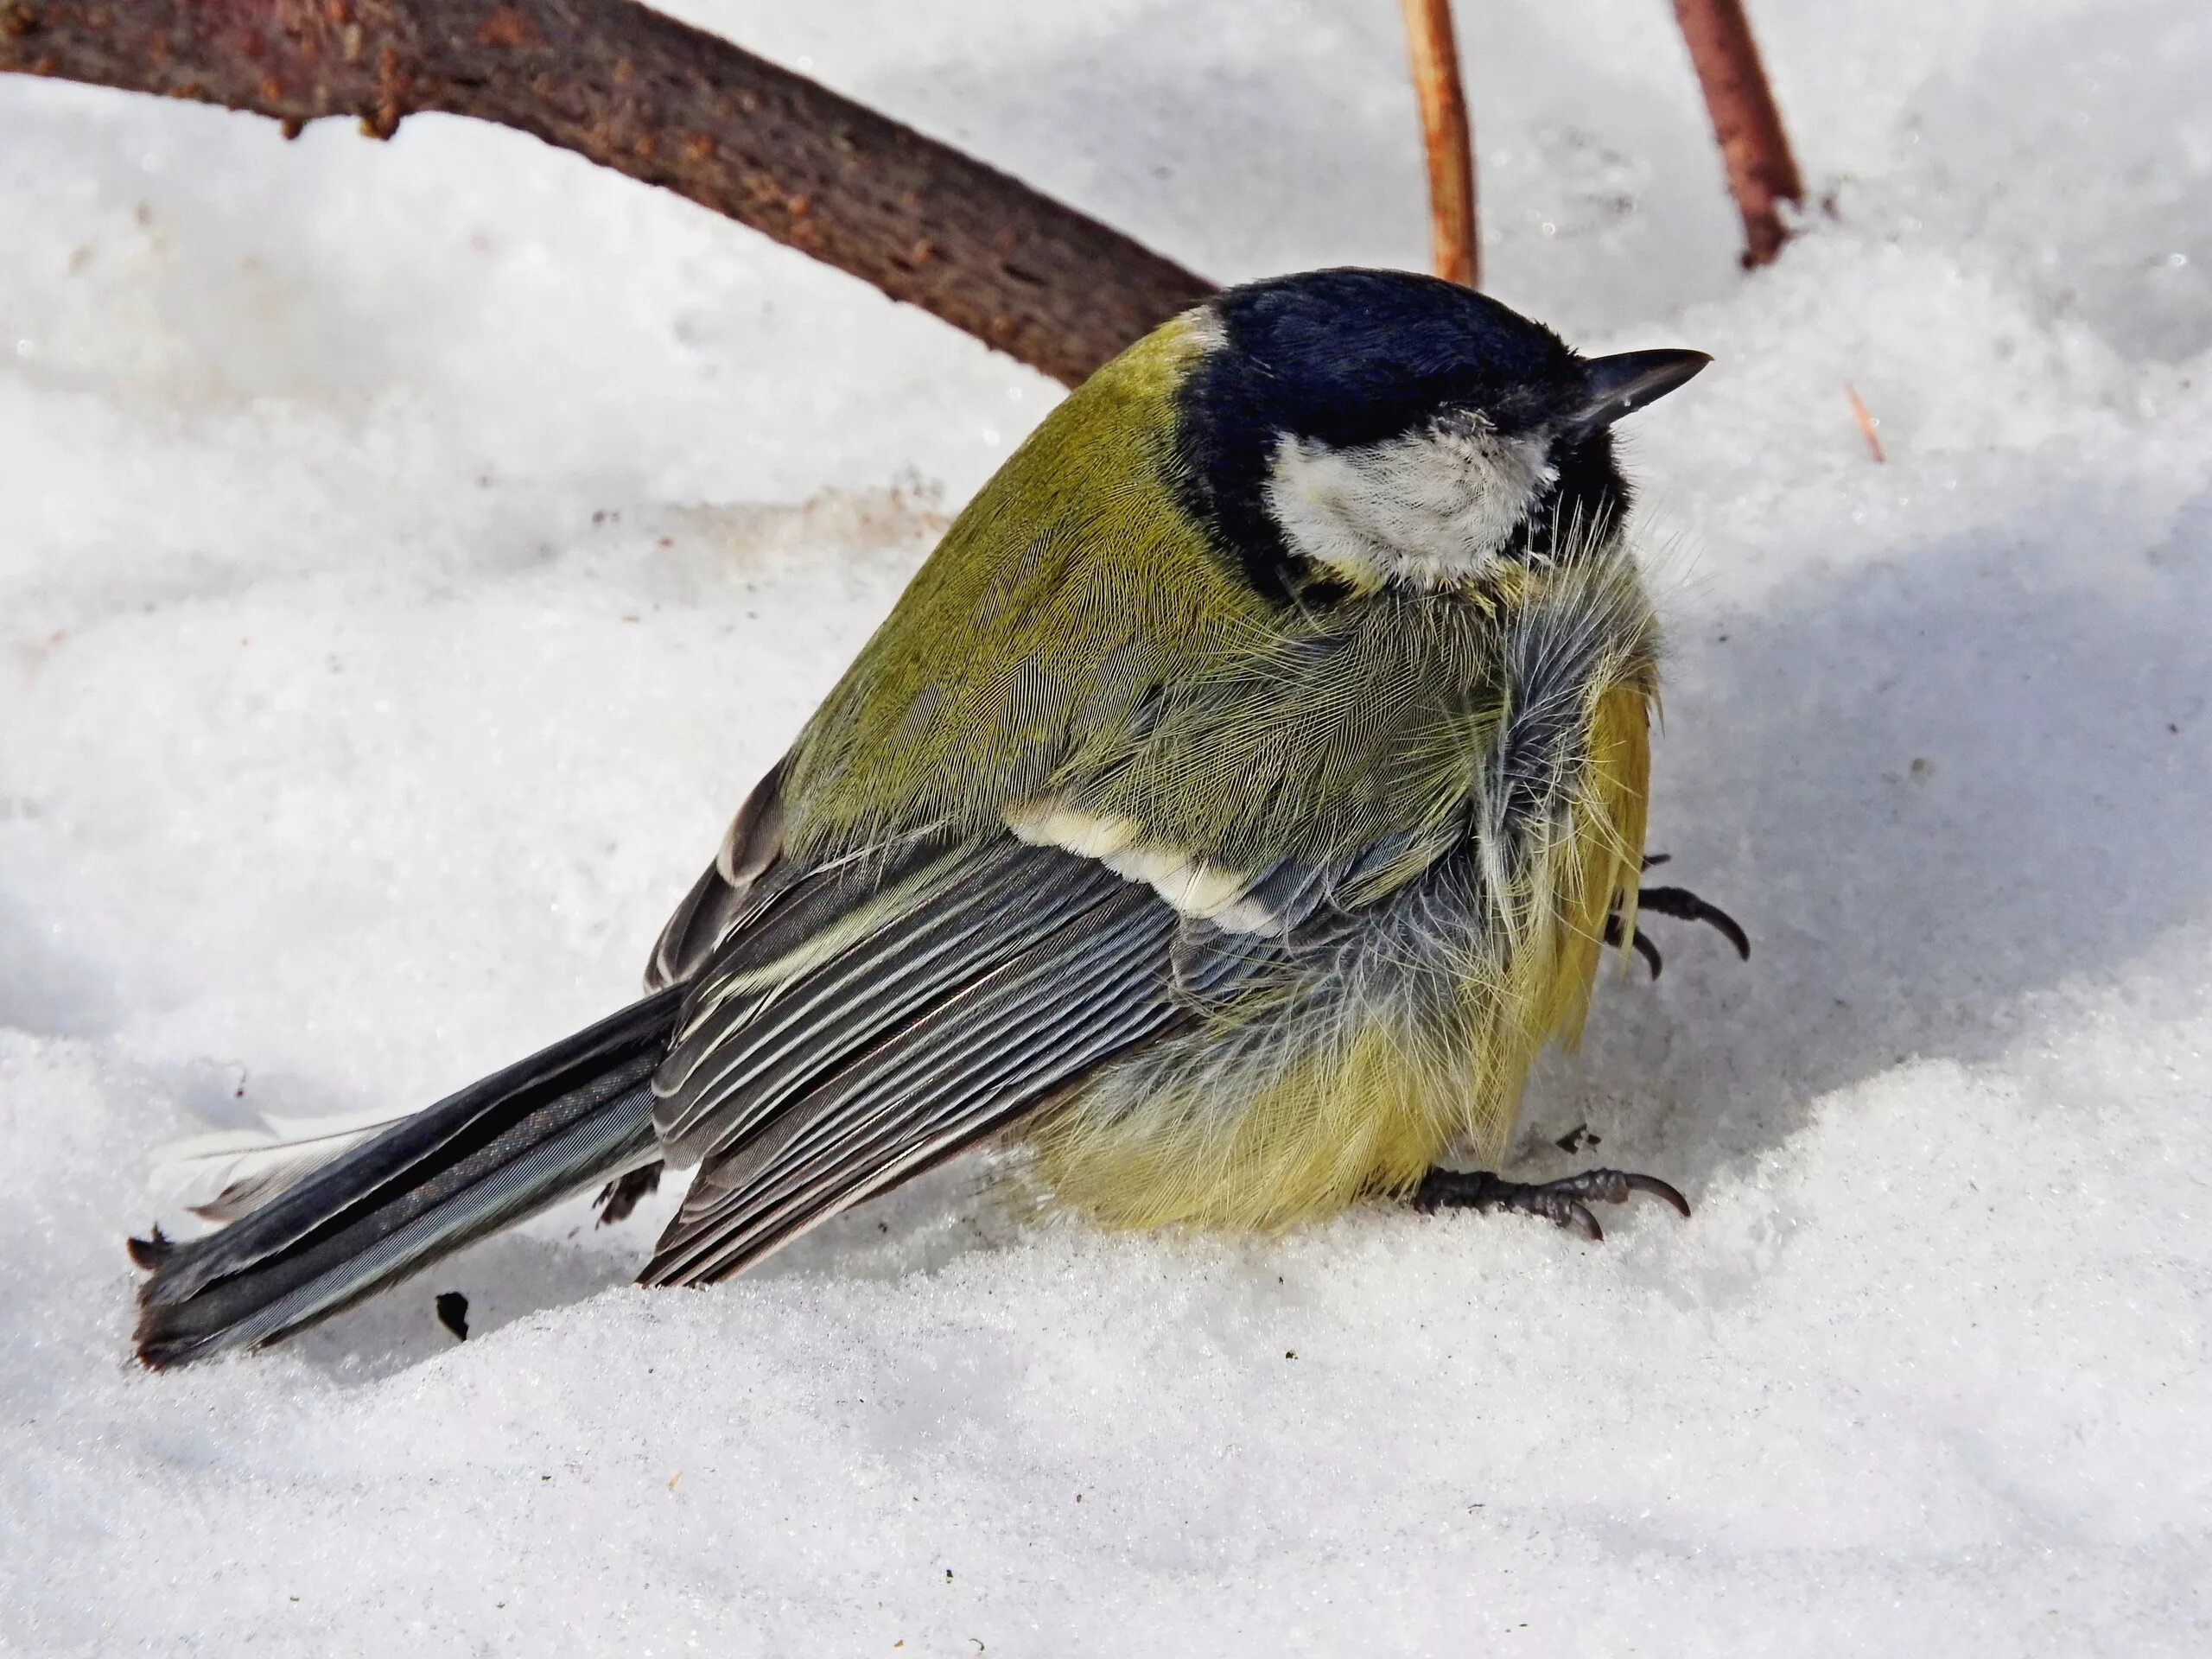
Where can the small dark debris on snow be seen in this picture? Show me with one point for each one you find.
(1579, 1136)
(453, 1313)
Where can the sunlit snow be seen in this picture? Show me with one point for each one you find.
(410, 554)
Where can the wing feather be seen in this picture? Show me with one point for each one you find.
(724, 898)
(1000, 1023)
(736, 1064)
(853, 1023)
(1072, 994)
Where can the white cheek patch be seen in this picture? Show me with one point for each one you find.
(1429, 509)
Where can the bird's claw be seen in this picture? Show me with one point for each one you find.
(1683, 905)
(1642, 941)
(1564, 1203)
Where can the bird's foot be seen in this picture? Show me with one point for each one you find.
(625, 1192)
(1565, 1202)
(1683, 905)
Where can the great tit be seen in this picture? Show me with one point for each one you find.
(1233, 806)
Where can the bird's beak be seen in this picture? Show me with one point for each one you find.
(1611, 386)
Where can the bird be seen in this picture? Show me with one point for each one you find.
(1239, 798)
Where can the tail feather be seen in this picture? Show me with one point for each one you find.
(576, 1115)
(222, 1175)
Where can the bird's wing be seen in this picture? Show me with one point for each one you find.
(874, 1019)
(851, 1017)
(860, 1004)
(745, 877)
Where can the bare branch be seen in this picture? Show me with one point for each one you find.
(1762, 173)
(1453, 234)
(661, 102)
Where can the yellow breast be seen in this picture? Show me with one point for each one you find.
(1354, 1080)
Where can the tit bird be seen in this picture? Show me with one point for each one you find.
(1233, 806)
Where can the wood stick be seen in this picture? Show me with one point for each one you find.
(1454, 235)
(1762, 173)
(1867, 425)
(664, 103)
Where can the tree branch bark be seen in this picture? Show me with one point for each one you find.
(1455, 237)
(654, 99)
(1762, 173)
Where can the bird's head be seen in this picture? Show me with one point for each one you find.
(1351, 429)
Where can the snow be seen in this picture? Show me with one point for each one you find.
(411, 553)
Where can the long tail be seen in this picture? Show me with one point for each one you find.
(572, 1114)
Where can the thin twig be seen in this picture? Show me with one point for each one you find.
(1867, 423)
(1762, 173)
(668, 105)
(1453, 234)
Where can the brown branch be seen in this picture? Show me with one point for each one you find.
(661, 102)
(1762, 173)
(1453, 234)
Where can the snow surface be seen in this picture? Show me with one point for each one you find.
(411, 553)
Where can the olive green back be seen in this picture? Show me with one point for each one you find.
(1032, 636)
